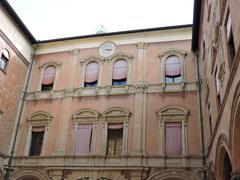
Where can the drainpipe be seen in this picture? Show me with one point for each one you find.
(199, 80)
(8, 168)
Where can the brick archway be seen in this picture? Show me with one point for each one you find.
(173, 174)
(27, 174)
(234, 132)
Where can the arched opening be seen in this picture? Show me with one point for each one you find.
(224, 166)
(236, 139)
(227, 168)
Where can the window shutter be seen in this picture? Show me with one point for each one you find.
(120, 70)
(49, 75)
(38, 129)
(115, 126)
(173, 143)
(173, 66)
(91, 73)
(83, 139)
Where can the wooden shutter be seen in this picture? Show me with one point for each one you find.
(49, 75)
(120, 70)
(83, 139)
(91, 73)
(173, 142)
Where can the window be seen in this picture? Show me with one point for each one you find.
(37, 133)
(91, 74)
(85, 122)
(83, 139)
(119, 76)
(173, 131)
(115, 139)
(115, 130)
(37, 141)
(4, 59)
(48, 78)
(173, 70)
(230, 39)
(173, 141)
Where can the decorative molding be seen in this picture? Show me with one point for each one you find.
(86, 116)
(112, 90)
(50, 63)
(142, 45)
(116, 115)
(39, 118)
(120, 55)
(35, 173)
(172, 51)
(88, 59)
(221, 73)
(174, 173)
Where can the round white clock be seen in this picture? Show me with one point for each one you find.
(107, 49)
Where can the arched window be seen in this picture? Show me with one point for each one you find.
(173, 70)
(119, 76)
(4, 59)
(48, 78)
(91, 74)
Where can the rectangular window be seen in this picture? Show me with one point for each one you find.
(83, 139)
(173, 142)
(230, 39)
(115, 139)
(37, 141)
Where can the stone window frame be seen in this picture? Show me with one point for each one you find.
(117, 56)
(36, 119)
(87, 117)
(181, 54)
(84, 62)
(170, 114)
(6, 58)
(42, 68)
(111, 116)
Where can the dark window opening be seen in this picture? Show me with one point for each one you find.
(231, 47)
(119, 82)
(47, 87)
(4, 59)
(90, 84)
(210, 119)
(36, 143)
(114, 144)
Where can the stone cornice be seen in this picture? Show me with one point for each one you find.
(82, 92)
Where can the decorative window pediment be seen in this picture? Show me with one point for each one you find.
(91, 58)
(86, 116)
(50, 63)
(172, 52)
(116, 115)
(120, 55)
(39, 119)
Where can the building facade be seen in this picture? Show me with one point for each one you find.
(15, 57)
(160, 103)
(218, 55)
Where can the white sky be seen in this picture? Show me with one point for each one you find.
(49, 19)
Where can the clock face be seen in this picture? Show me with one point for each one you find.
(107, 49)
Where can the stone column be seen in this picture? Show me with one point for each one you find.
(140, 107)
(65, 112)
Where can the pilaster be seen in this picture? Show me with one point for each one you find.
(140, 103)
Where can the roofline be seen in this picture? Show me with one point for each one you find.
(196, 24)
(116, 33)
(18, 21)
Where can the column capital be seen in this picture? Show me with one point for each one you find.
(142, 45)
